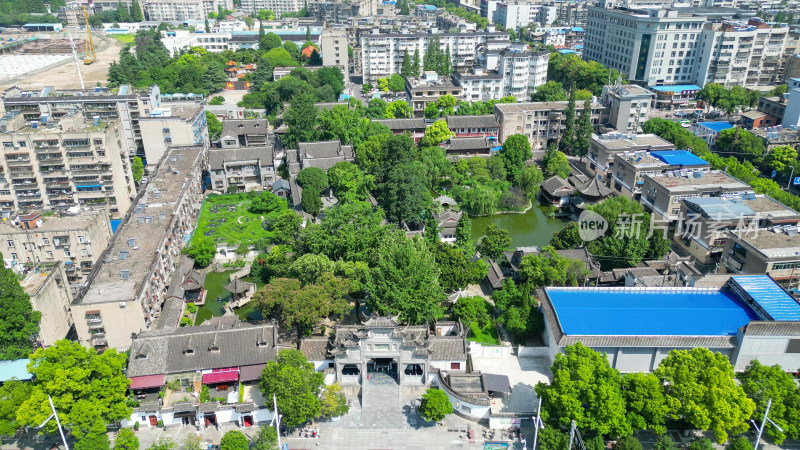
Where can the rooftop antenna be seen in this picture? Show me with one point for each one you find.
(75, 57)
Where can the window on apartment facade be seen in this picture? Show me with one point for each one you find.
(10, 243)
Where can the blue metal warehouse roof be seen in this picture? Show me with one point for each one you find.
(716, 126)
(648, 311)
(679, 158)
(15, 369)
(770, 297)
(676, 88)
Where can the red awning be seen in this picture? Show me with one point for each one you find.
(147, 381)
(221, 376)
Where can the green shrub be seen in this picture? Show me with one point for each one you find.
(205, 394)
(191, 307)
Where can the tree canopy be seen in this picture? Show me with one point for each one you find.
(762, 383)
(19, 323)
(296, 386)
(435, 405)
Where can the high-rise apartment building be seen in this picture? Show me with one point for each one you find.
(182, 10)
(540, 122)
(514, 15)
(279, 7)
(333, 44)
(382, 54)
(53, 164)
(127, 289)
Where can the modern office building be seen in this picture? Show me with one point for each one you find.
(540, 121)
(57, 163)
(127, 289)
(74, 238)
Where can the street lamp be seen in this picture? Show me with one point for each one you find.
(537, 423)
(763, 424)
(276, 420)
(58, 422)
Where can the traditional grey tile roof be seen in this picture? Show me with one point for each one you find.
(447, 348)
(315, 348)
(380, 322)
(595, 189)
(238, 286)
(448, 219)
(495, 275)
(238, 127)
(219, 343)
(217, 158)
(556, 186)
(477, 121)
(458, 144)
(170, 313)
(323, 149)
(403, 124)
(280, 184)
(773, 328)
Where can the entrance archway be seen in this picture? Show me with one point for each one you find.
(386, 366)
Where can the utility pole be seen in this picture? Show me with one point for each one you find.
(575, 436)
(537, 422)
(58, 422)
(763, 424)
(276, 420)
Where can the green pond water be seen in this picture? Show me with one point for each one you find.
(215, 287)
(530, 228)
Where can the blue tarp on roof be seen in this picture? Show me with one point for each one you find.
(770, 297)
(429, 7)
(115, 224)
(719, 208)
(567, 51)
(676, 88)
(716, 126)
(648, 311)
(679, 158)
(577, 29)
(15, 369)
(88, 186)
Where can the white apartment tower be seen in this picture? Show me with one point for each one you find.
(182, 10)
(279, 7)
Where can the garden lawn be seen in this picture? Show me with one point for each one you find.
(484, 336)
(124, 38)
(226, 219)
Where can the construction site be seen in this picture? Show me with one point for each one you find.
(47, 59)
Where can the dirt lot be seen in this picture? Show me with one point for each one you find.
(64, 75)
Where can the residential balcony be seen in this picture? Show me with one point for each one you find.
(18, 162)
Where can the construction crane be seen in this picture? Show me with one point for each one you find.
(89, 55)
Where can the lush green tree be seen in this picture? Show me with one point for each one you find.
(497, 168)
(589, 75)
(494, 242)
(136, 12)
(315, 59)
(234, 440)
(331, 76)
(516, 150)
(301, 120)
(202, 249)
(741, 143)
(551, 438)
(762, 383)
(214, 125)
(781, 158)
(266, 439)
(334, 403)
(88, 390)
(313, 178)
(270, 41)
(406, 66)
(265, 203)
(311, 202)
(585, 388)
(163, 443)
(457, 267)
(530, 179)
(398, 109)
(566, 238)
(274, 264)
(431, 111)
(302, 306)
(126, 440)
(647, 408)
(192, 442)
(405, 280)
(122, 13)
(397, 83)
(739, 443)
(349, 231)
(309, 267)
(349, 183)
(19, 323)
(628, 443)
(472, 309)
(95, 439)
(405, 195)
(137, 168)
(701, 444)
(435, 165)
(567, 138)
(446, 103)
(665, 442)
(583, 133)
(415, 65)
(435, 134)
(556, 163)
(435, 405)
(13, 393)
(376, 109)
(552, 91)
(548, 268)
(699, 388)
(464, 235)
(295, 384)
